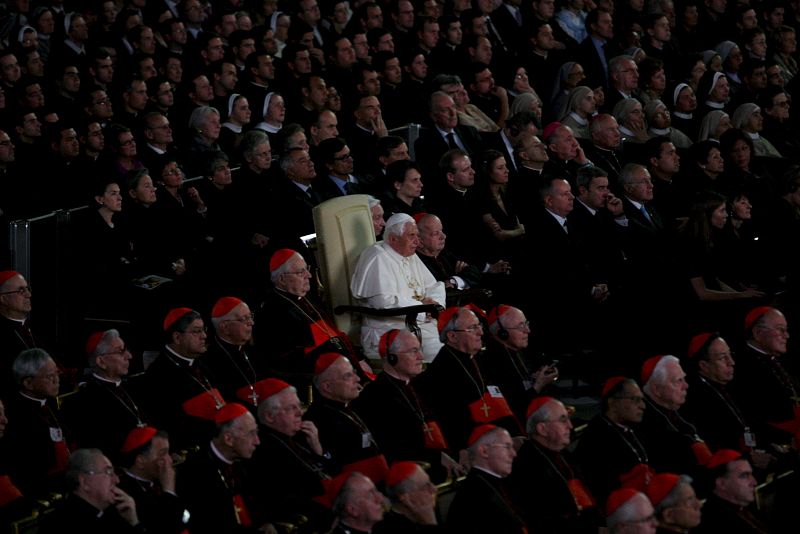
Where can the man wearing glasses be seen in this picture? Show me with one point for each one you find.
(106, 396)
(457, 390)
(15, 335)
(95, 503)
(763, 387)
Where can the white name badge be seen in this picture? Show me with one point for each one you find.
(495, 392)
(366, 440)
(56, 434)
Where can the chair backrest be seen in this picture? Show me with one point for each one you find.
(344, 230)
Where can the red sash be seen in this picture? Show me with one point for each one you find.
(239, 508)
(8, 491)
(434, 439)
(488, 409)
(701, 452)
(375, 468)
(583, 499)
(61, 457)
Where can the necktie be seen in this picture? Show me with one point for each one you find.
(312, 194)
(451, 141)
(350, 188)
(646, 214)
(566, 228)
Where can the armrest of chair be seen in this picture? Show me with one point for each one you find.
(410, 312)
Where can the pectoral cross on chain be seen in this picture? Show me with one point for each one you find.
(485, 409)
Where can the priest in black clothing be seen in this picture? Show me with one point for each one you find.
(177, 385)
(482, 503)
(105, 395)
(211, 480)
(227, 357)
(454, 386)
(558, 500)
(394, 411)
(289, 467)
(342, 432)
(507, 363)
(15, 334)
(149, 478)
(95, 504)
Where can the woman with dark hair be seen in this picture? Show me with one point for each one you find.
(744, 173)
(652, 80)
(702, 171)
(123, 151)
(698, 251)
(497, 208)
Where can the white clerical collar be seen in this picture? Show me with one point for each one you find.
(580, 120)
(189, 361)
(267, 127)
(391, 372)
(715, 105)
(103, 379)
(753, 136)
(661, 131)
(219, 455)
(489, 471)
(42, 402)
(236, 128)
(682, 115)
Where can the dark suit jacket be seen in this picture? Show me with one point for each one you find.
(481, 505)
(430, 146)
(587, 56)
(291, 212)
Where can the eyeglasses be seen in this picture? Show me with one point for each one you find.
(635, 398)
(120, 352)
(343, 157)
(196, 331)
(301, 272)
(251, 318)
(20, 291)
(471, 329)
(781, 330)
(172, 172)
(506, 446)
(521, 326)
(107, 472)
(562, 419)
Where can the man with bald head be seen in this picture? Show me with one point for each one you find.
(227, 358)
(604, 145)
(559, 500)
(393, 409)
(566, 154)
(481, 503)
(290, 451)
(390, 275)
(763, 387)
(455, 387)
(343, 434)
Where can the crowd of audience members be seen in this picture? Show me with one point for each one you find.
(623, 173)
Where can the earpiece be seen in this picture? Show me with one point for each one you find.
(391, 358)
(502, 333)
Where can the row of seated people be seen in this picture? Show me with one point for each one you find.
(405, 413)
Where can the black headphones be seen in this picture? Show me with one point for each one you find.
(388, 339)
(502, 333)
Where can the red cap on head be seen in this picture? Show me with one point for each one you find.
(332, 488)
(224, 306)
(697, 343)
(549, 129)
(229, 412)
(5, 276)
(618, 498)
(722, 457)
(399, 472)
(203, 405)
(479, 432)
(418, 216)
(476, 310)
(537, 403)
(324, 361)
(386, 341)
(497, 312)
(637, 478)
(175, 315)
(610, 384)
(754, 315)
(660, 486)
(94, 340)
(138, 437)
(446, 315)
(280, 257)
(264, 389)
(649, 366)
